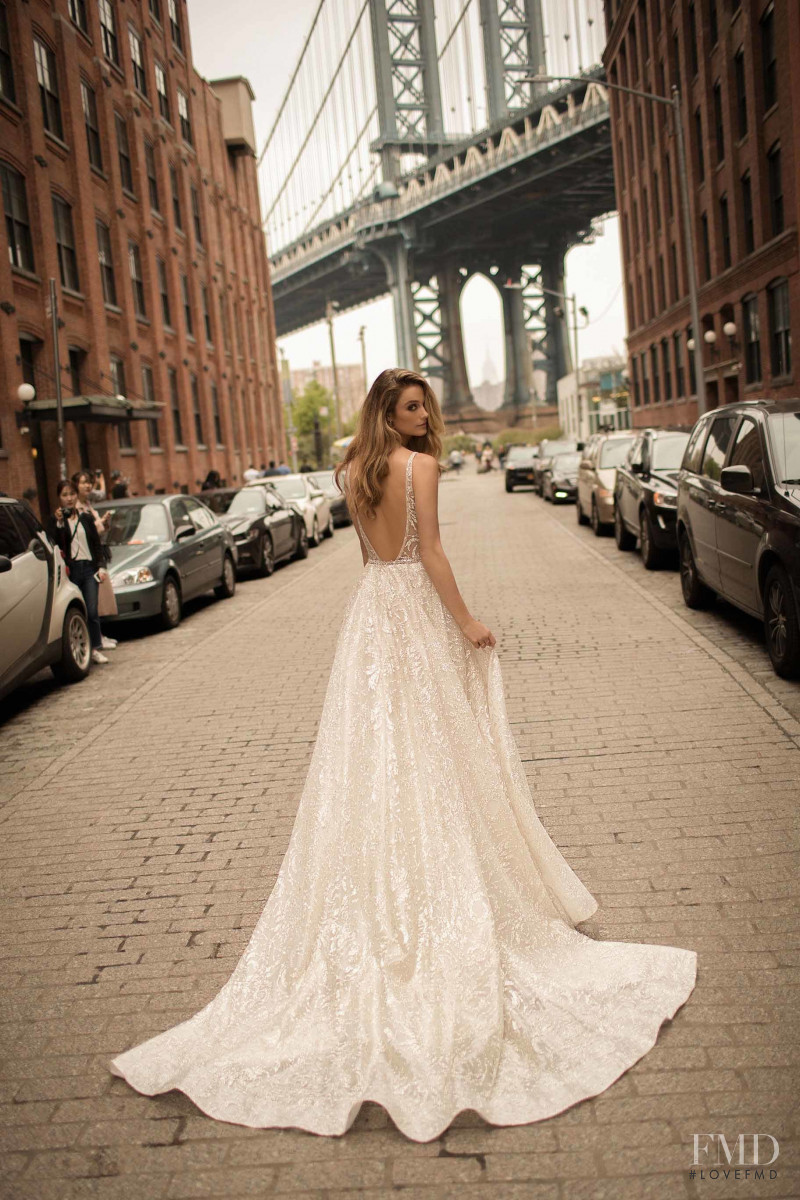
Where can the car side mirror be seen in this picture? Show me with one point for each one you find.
(38, 549)
(5, 563)
(738, 479)
(636, 468)
(183, 532)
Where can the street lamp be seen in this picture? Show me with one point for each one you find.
(691, 265)
(330, 309)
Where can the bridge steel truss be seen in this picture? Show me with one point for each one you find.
(508, 203)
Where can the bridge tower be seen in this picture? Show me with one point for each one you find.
(427, 303)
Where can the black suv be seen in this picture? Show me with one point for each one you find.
(738, 518)
(519, 463)
(646, 493)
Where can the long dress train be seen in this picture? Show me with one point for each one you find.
(418, 948)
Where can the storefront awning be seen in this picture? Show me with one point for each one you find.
(109, 409)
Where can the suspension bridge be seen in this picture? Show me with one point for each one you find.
(415, 147)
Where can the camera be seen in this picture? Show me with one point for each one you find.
(67, 513)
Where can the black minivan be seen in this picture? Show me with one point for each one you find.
(738, 518)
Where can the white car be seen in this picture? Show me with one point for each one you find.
(42, 614)
(311, 502)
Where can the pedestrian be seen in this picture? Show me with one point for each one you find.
(284, 468)
(212, 480)
(83, 484)
(98, 491)
(74, 531)
(120, 487)
(252, 472)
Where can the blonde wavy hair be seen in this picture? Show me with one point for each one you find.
(366, 461)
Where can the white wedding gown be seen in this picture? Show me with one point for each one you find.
(418, 947)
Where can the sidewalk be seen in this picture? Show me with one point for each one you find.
(147, 812)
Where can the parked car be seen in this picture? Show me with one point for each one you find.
(560, 478)
(597, 478)
(547, 448)
(309, 501)
(518, 464)
(738, 519)
(325, 482)
(265, 528)
(646, 493)
(164, 551)
(42, 614)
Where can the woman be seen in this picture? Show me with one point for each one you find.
(74, 531)
(418, 948)
(84, 482)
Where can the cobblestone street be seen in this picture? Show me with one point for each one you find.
(147, 810)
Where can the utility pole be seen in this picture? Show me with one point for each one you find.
(62, 453)
(330, 309)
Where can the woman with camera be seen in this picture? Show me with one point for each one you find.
(74, 531)
(85, 485)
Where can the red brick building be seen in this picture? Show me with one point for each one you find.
(737, 64)
(131, 181)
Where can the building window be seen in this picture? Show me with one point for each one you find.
(713, 23)
(137, 59)
(65, 244)
(725, 231)
(161, 274)
(223, 320)
(90, 120)
(692, 371)
(196, 414)
(117, 375)
(155, 10)
(106, 263)
(108, 31)
(698, 145)
(137, 282)
(769, 58)
(656, 201)
(656, 379)
(706, 247)
(673, 271)
(666, 369)
(152, 177)
(198, 227)
(15, 207)
(183, 116)
(48, 88)
(187, 305)
(752, 339)
(175, 405)
(206, 313)
(780, 332)
(234, 417)
(719, 130)
(149, 396)
(7, 89)
(677, 346)
(775, 187)
(668, 184)
(176, 196)
(646, 214)
(662, 293)
(651, 299)
(747, 214)
(216, 415)
(175, 25)
(741, 92)
(645, 377)
(693, 40)
(676, 62)
(77, 14)
(161, 89)
(123, 152)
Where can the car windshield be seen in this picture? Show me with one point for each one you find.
(783, 430)
(137, 525)
(248, 500)
(668, 451)
(218, 502)
(557, 448)
(613, 452)
(290, 489)
(566, 462)
(521, 454)
(321, 479)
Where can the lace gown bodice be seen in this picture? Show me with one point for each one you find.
(409, 551)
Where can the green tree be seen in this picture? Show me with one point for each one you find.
(306, 406)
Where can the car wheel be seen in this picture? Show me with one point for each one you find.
(597, 525)
(330, 530)
(652, 557)
(696, 594)
(225, 589)
(316, 536)
(265, 560)
(301, 550)
(781, 626)
(509, 486)
(622, 535)
(581, 517)
(76, 649)
(171, 604)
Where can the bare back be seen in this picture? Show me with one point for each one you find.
(386, 531)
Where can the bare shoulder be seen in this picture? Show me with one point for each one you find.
(426, 465)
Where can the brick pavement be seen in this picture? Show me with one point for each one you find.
(147, 812)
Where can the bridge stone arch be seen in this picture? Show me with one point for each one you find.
(493, 312)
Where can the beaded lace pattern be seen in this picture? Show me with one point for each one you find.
(409, 551)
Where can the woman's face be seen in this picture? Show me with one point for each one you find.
(410, 418)
(68, 497)
(84, 487)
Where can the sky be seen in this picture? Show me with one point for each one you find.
(262, 39)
